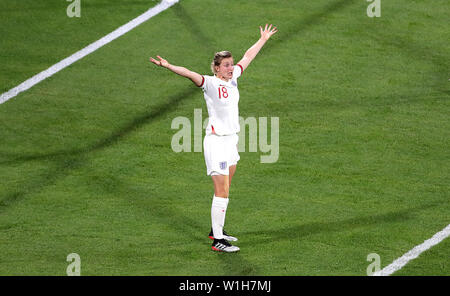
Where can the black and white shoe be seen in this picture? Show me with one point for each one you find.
(222, 245)
(226, 236)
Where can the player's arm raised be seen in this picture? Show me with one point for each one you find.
(251, 53)
(182, 71)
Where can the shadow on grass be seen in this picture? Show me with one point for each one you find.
(138, 122)
(235, 264)
(303, 24)
(297, 232)
(192, 25)
(59, 167)
(61, 163)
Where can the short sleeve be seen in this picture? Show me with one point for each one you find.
(206, 83)
(203, 82)
(238, 70)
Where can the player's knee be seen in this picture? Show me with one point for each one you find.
(222, 191)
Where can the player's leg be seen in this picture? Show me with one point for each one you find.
(216, 163)
(218, 213)
(221, 185)
(219, 204)
(219, 208)
(232, 171)
(233, 158)
(227, 236)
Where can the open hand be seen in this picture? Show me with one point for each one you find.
(162, 62)
(268, 31)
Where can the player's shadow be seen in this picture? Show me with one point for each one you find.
(58, 167)
(236, 264)
(298, 232)
(61, 163)
(117, 135)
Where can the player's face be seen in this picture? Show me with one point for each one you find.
(225, 70)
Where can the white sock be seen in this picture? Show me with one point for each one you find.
(218, 212)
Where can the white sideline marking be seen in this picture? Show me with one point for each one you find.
(165, 4)
(414, 253)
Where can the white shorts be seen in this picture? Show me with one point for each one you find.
(221, 152)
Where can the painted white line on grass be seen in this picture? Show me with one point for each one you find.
(414, 253)
(165, 4)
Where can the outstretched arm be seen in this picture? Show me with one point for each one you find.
(195, 77)
(251, 53)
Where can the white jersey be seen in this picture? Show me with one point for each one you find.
(222, 99)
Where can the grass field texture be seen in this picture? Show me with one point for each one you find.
(86, 164)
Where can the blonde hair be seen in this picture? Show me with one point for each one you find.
(218, 57)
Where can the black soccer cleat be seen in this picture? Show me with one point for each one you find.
(222, 245)
(226, 236)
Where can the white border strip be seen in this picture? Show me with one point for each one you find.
(414, 253)
(165, 4)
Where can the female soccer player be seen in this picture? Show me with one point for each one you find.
(220, 142)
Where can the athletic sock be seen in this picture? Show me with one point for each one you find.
(218, 212)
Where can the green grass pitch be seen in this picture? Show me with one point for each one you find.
(86, 164)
